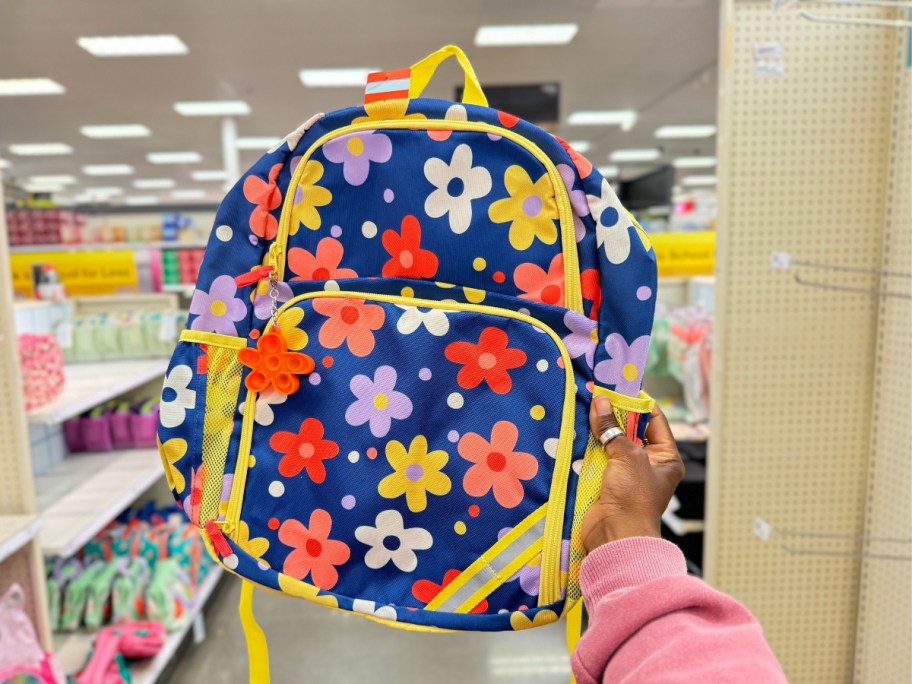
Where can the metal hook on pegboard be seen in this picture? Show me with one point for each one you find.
(783, 261)
(767, 533)
(856, 21)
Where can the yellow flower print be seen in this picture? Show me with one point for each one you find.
(309, 196)
(294, 587)
(417, 473)
(519, 620)
(256, 547)
(171, 452)
(288, 322)
(387, 110)
(530, 209)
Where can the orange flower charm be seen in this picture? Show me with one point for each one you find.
(272, 364)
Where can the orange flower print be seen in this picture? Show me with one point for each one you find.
(426, 591)
(350, 320)
(408, 259)
(323, 264)
(539, 286)
(489, 360)
(496, 465)
(592, 290)
(313, 553)
(304, 450)
(266, 196)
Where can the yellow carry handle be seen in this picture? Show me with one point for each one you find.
(423, 70)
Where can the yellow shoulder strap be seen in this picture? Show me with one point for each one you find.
(424, 69)
(574, 630)
(257, 651)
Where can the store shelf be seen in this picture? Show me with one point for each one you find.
(15, 532)
(72, 649)
(90, 384)
(185, 289)
(106, 246)
(148, 671)
(85, 492)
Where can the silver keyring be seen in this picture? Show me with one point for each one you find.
(610, 434)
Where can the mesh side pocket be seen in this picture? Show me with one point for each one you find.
(223, 382)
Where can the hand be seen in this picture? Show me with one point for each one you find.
(638, 482)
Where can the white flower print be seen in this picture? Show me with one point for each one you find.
(457, 184)
(391, 541)
(293, 138)
(370, 608)
(263, 414)
(177, 396)
(435, 321)
(610, 230)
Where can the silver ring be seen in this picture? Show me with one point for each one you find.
(610, 434)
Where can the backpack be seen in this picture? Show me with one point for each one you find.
(380, 400)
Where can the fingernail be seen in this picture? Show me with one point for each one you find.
(603, 406)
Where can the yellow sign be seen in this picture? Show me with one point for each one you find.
(685, 254)
(82, 273)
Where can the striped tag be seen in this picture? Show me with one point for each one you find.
(387, 85)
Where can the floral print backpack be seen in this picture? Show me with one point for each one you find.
(380, 400)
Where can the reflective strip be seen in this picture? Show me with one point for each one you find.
(502, 576)
(387, 86)
(489, 570)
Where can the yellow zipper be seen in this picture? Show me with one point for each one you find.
(557, 496)
(573, 296)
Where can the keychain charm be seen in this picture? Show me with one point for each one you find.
(272, 364)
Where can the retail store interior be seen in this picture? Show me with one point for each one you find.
(764, 152)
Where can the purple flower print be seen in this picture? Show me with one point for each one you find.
(583, 337)
(377, 402)
(262, 303)
(624, 367)
(529, 575)
(218, 310)
(356, 151)
(577, 200)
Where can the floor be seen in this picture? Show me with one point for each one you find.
(308, 642)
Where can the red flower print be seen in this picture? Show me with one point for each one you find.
(497, 466)
(592, 290)
(305, 450)
(425, 590)
(351, 321)
(266, 197)
(583, 165)
(322, 265)
(489, 360)
(539, 286)
(408, 259)
(314, 552)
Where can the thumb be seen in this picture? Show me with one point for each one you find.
(601, 418)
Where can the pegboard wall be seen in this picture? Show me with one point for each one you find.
(883, 651)
(805, 142)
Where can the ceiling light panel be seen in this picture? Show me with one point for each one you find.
(107, 170)
(140, 200)
(208, 175)
(525, 34)
(12, 87)
(694, 162)
(695, 181)
(609, 171)
(40, 149)
(685, 131)
(116, 131)
(133, 46)
(635, 155)
(212, 108)
(52, 180)
(154, 183)
(581, 146)
(256, 143)
(4, 164)
(188, 194)
(174, 157)
(106, 191)
(625, 118)
(335, 78)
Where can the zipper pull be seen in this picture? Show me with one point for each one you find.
(254, 276)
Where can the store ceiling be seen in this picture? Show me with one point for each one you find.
(657, 57)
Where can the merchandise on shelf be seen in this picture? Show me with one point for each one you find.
(114, 644)
(21, 657)
(41, 366)
(116, 424)
(123, 335)
(44, 226)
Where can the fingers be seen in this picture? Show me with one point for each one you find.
(601, 418)
(658, 431)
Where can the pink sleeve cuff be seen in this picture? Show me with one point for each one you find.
(628, 563)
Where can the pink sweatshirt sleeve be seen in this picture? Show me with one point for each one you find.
(651, 622)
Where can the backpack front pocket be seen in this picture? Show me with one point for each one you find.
(421, 464)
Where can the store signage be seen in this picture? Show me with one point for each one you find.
(685, 254)
(82, 273)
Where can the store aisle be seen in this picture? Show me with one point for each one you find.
(309, 642)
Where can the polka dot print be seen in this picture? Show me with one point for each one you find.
(353, 456)
(455, 400)
(425, 374)
(276, 488)
(644, 292)
(369, 229)
(348, 502)
(388, 195)
(474, 510)
(336, 231)
(459, 527)
(537, 412)
(453, 436)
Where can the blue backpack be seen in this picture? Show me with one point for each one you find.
(380, 400)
